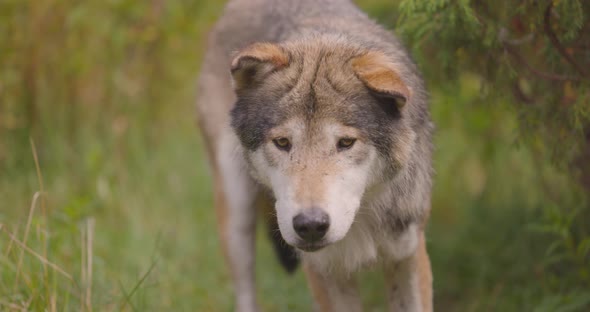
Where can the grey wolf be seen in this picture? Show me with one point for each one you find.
(313, 111)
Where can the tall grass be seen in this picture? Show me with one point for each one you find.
(105, 200)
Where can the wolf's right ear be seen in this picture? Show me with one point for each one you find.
(380, 76)
(255, 62)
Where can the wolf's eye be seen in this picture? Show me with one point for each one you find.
(282, 144)
(345, 143)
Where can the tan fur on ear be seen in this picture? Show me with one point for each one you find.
(262, 52)
(378, 73)
(256, 60)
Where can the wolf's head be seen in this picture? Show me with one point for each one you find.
(322, 123)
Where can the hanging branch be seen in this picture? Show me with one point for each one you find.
(555, 42)
(541, 74)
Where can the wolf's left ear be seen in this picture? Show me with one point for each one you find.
(379, 75)
(255, 62)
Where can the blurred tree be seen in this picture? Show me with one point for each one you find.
(101, 67)
(535, 56)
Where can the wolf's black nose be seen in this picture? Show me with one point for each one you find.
(311, 224)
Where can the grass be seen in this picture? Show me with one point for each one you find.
(107, 205)
(131, 226)
(131, 240)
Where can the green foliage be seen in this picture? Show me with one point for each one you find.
(532, 56)
(65, 63)
(105, 89)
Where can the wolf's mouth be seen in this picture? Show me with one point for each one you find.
(311, 247)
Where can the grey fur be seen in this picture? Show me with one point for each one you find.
(320, 38)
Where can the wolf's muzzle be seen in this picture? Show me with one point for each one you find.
(311, 224)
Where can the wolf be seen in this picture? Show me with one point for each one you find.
(317, 115)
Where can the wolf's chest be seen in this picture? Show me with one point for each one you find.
(366, 245)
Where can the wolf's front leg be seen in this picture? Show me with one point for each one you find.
(409, 281)
(235, 194)
(333, 293)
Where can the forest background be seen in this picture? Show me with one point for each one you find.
(105, 197)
